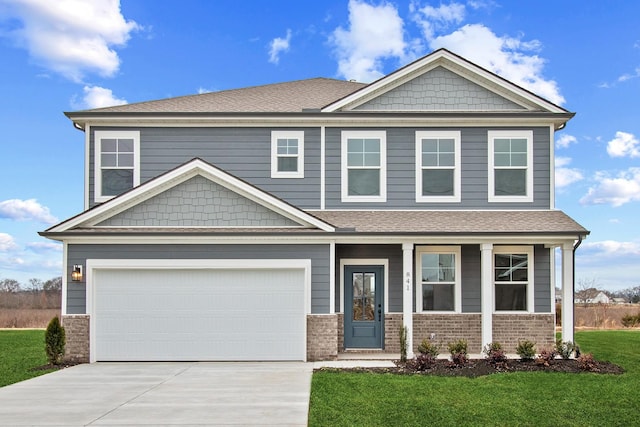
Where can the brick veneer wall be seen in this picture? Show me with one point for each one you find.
(322, 337)
(340, 317)
(392, 325)
(76, 328)
(509, 328)
(448, 328)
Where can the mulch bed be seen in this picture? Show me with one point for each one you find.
(480, 367)
(49, 366)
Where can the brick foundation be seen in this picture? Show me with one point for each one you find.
(448, 328)
(340, 331)
(509, 328)
(392, 325)
(322, 337)
(77, 337)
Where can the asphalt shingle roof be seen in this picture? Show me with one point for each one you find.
(288, 97)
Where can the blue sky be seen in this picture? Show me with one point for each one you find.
(75, 54)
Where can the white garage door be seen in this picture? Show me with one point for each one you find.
(198, 314)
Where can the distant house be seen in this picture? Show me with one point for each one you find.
(304, 219)
(592, 296)
(618, 300)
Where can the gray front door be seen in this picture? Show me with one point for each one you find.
(363, 302)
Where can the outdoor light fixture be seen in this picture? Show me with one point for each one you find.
(76, 273)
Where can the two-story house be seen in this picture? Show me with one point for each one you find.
(300, 220)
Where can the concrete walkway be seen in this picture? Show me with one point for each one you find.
(175, 394)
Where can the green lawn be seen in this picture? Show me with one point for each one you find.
(512, 399)
(20, 351)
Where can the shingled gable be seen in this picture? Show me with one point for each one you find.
(100, 215)
(521, 98)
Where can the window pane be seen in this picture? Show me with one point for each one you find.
(108, 145)
(446, 146)
(502, 145)
(125, 145)
(372, 145)
(430, 260)
(125, 160)
(502, 159)
(355, 159)
(429, 159)
(519, 159)
(511, 296)
(116, 181)
(510, 182)
(438, 297)
(519, 145)
(446, 159)
(287, 164)
(372, 159)
(364, 182)
(437, 182)
(429, 145)
(108, 160)
(355, 145)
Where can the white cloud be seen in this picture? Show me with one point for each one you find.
(99, 97)
(374, 33)
(623, 145)
(565, 140)
(566, 176)
(72, 37)
(433, 19)
(613, 248)
(629, 76)
(202, 90)
(26, 210)
(278, 46)
(510, 57)
(7, 243)
(615, 191)
(40, 247)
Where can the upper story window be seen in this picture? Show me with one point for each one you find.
(287, 154)
(438, 278)
(510, 166)
(117, 163)
(438, 166)
(513, 278)
(364, 166)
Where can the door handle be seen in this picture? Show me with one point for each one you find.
(379, 315)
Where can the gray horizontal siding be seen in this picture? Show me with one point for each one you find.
(474, 173)
(319, 255)
(471, 274)
(243, 152)
(542, 279)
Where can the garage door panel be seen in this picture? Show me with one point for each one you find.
(200, 314)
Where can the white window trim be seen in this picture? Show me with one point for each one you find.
(529, 250)
(457, 293)
(97, 174)
(492, 135)
(287, 134)
(344, 181)
(420, 135)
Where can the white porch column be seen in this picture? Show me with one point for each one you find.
(567, 292)
(407, 294)
(486, 292)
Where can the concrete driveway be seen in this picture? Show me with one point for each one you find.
(176, 394)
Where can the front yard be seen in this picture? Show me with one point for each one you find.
(20, 352)
(522, 398)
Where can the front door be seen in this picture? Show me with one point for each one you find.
(364, 311)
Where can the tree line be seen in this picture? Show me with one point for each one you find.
(35, 294)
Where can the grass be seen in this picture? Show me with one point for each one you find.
(20, 351)
(512, 399)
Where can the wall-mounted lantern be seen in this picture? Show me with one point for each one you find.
(76, 273)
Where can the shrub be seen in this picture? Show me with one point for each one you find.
(526, 349)
(427, 347)
(546, 357)
(630, 321)
(458, 352)
(586, 362)
(403, 344)
(494, 353)
(54, 339)
(422, 362)
(565, 348)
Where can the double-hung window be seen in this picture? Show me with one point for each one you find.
(510, 166)
(438, 166)
(438, 278)
(513, 278)
(364, 166)
(287, 154)
(117, 163)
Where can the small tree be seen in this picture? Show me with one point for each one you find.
(403, 344)
(54, 339)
